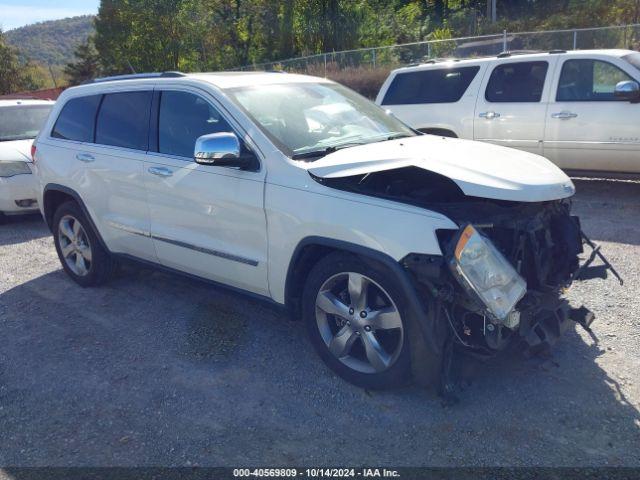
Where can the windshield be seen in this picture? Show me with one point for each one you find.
(22, 122)
(633, 59)
(312, 119)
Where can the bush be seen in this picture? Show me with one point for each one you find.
(365, 80)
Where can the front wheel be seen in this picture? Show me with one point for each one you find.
(355, 318)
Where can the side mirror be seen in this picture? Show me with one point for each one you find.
(222, 150)
(628, 90)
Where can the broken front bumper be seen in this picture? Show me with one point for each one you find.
(542, 252)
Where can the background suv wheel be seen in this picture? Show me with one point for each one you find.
(80, 252)
(355, 318)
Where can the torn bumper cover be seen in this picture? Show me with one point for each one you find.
(504, 273)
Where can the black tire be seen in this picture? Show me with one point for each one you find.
(398, 373)
(101, 265)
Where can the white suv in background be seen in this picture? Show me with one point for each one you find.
(580, 109)
(391, 245)
(20, 122)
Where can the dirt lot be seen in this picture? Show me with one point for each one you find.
(155, 369)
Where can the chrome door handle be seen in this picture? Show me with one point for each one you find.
(564, 115)
(489, 115)
(85, 157)
(160, 171)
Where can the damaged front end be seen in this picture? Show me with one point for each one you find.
(503, 273)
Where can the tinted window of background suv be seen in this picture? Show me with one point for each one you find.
(445, 85)
(517, 82)
(77, 119)
(183, 118)
(587, 80)
(123, 120)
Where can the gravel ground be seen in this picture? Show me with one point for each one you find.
(154, 369)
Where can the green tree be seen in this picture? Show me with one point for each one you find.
(86, 65)
(13, 76)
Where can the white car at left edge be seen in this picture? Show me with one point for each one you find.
(20, 122)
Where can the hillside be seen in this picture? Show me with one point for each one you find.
(52, 42)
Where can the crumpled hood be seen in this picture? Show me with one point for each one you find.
(479, 169)
(16, 150)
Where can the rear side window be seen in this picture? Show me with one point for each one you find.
(589, 81)
(517, 82)
(123, 120)
(182, 119)
(77, 119)
(430, 86)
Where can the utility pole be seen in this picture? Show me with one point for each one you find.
(492, 10)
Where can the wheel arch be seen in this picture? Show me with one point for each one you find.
(311, 249)
(55, 195)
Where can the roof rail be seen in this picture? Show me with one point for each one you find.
(135, 76)
(553, 52)
(432, 61)
(510, 53)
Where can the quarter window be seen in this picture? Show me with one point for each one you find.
(123, 120)
(430, 86)
(586, 80)
(182, 119)
(77, 119)
(521, 82)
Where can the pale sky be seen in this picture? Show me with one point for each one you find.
(16, 13)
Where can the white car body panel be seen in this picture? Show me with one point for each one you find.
(230, 215)
(523, 177)
(18, 187)
(454, 117)
(518, 125)
(601, 136)
(604, 136)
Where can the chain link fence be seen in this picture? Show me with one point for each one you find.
(365, 69)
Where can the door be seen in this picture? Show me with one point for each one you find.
(511, 105)
(587, 127)
(205, 220)
(108, 166)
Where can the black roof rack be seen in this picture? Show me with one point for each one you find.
(135, 76)
(557, 51)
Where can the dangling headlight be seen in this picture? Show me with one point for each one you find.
(481, 267)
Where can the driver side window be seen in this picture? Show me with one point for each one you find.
(183, 117)
(585, 80)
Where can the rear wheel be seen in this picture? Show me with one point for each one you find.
(355, 318)
(79, 251)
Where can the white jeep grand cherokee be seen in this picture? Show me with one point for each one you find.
(391, 245)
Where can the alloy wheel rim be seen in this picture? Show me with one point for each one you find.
(74, 245)
(359, 322)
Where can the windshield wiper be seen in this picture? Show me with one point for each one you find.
(324, 151)
(398, 135)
